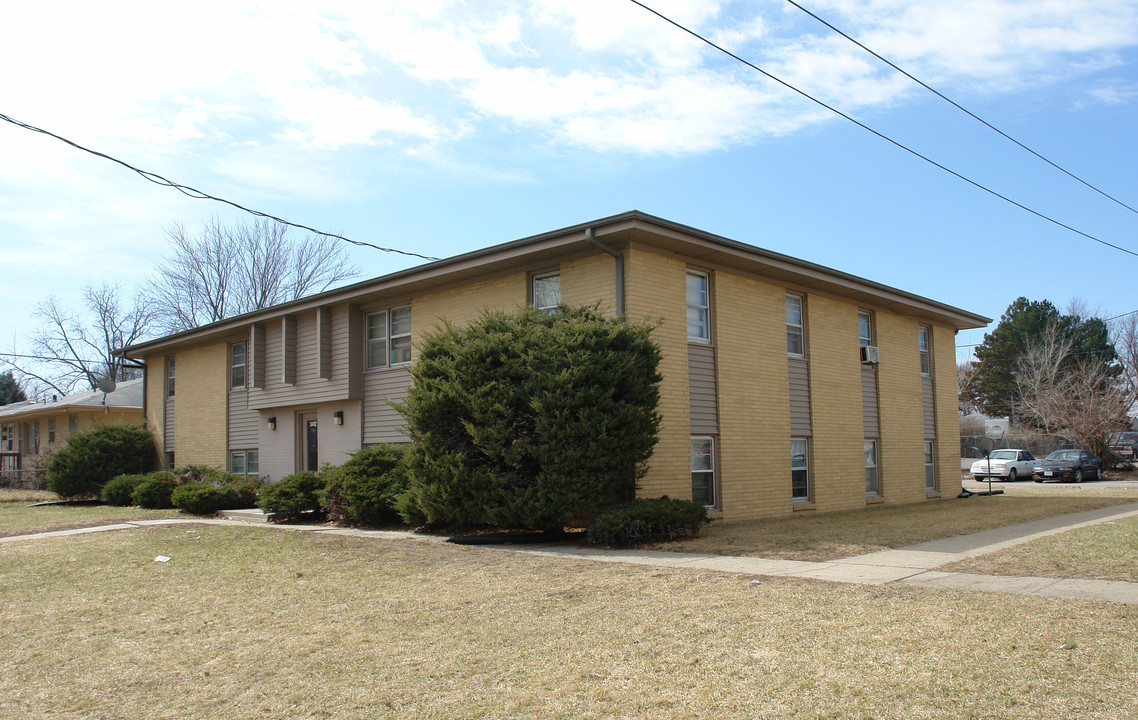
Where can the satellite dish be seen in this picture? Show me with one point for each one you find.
(105, 384)
(987, 445)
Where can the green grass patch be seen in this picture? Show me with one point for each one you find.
(828, 536)
(16, 518)
(1105, 551)
(266, 623)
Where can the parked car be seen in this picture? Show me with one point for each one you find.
(1006, 464)
(1068, 465)
(1124, 445)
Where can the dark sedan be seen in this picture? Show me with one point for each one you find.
(1068, 465)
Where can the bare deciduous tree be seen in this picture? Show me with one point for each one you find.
(228, 270)
(1124, 333)
(75, 351)
(1080, 397)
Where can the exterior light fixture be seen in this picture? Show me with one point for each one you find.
(338, 417)
(273, 422)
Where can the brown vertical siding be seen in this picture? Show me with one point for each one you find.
(324, 342)
(869, 401)
(798, 373)
(168, 421)
(288, 349)
(702, 389)
(929, 403)
(258, 355)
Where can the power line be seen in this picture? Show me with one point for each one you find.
(965, 110)
(884, 137)
(200, 195)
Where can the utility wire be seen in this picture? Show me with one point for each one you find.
(199, 195)
(964, 110)
(884, 137)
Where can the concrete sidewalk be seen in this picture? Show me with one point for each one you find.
(912, 565)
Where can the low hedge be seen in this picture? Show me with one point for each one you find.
(119, 490)
(154, 491)
(647, 521)
(202, 498)
(293, 497)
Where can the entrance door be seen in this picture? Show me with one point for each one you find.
(309, 452)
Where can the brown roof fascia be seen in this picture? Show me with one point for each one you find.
(624, 225)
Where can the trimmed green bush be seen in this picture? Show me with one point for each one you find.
(154, 492)
(92, 457)
(530, 420)
(245, 489)
(203, 498)
(293, 497)
(365, 489)
(647, 521)
(119, 490)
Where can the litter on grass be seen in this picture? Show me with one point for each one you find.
(161, 558)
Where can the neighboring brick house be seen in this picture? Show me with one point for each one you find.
(29, 431)
(787, 386)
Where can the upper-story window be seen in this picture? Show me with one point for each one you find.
(388, 337)
(795, 338)
(864, 329)
(237, 366)
(923, 342)
(699, 308)
(169, 377)
(547, 291)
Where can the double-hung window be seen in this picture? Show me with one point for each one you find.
(388, 337)
(169, 377)
(864, 329)
(795, 338)
(799, 470)
(930, 466)
(547, 291)
(923, 342)
(237, 366)
(244, 462)
(703, 471)
(51, 431)
(872, 480)
(699, 308)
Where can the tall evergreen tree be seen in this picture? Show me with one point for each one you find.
(992, 386)
(10, 390)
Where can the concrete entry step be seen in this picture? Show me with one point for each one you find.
(253, 515)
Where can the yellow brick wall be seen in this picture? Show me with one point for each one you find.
(462, 304)
(200, 398)
(902, 458)
(947, 411)
(837, 471)
(754, 403)
(590, 281)
(655, 290)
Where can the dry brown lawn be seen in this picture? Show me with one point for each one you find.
(16, 518)
(829, 536)
(256, 623)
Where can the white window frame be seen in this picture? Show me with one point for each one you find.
(930, 466)
(923, 346)
(250, 462)
(170, 376)
(535, 295)
(702, 320)
(233, 365)
(805, 468)
(796, 329)
(872, 465)
(391, 345)
(708, 471)
(866, 339)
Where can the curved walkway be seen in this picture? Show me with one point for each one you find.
(912, 565)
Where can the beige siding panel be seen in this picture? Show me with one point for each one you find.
(799, 380)
(168, 420)
(702, 390)
(288, 345)
(324, 342)
(309, 387)
(869, 401)
(381, 423)
(244, 422)
(929, 407)
(258, 355)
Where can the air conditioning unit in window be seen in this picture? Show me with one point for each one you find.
(869, 355)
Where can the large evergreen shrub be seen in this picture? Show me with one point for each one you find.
(529, 420)
(94, 456)
(365, 490)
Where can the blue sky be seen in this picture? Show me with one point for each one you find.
(441, 127)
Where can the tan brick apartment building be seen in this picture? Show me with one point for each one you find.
(787, 386)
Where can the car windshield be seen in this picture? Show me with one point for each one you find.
(1064, 455)
(1004, 455)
